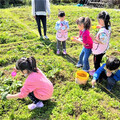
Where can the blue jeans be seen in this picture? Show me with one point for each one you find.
(83, 58)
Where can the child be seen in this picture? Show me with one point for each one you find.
(108, 71)
(37, 87)
(101, 41)
(84, 38)
(62, 34)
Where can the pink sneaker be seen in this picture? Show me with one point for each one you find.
(64, 52)
(33, 106)
(92, 72)
(58, 52)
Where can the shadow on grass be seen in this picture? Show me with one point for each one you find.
(48, 43)
(85, 87)
(73, 60)
(41, 113)
(45, 112)
(52, 45)
(114, 93)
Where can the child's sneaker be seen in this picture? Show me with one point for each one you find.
(46, 37)
(92, 72)
(41, 37)
(64, 52)
(58, 52)
(79, 65)
(37, 105)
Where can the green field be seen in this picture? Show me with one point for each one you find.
(19, 37)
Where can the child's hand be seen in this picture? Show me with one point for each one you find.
(34, 16)
(98, 26)
(48, 16)
(14, 69)
(75, 39)
(9, 96)
(93, 82)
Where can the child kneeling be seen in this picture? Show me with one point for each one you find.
(37, 87)
(108, 71)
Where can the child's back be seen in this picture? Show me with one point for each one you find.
(38, 83)
(104, 36)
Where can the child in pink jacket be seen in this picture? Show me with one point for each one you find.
(37, 87)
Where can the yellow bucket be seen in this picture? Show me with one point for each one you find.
(81, 77)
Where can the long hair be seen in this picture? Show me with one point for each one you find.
(26, 64)
(106, 17)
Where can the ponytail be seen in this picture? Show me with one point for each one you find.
(84, 20)
(26, 64)
(107, 21)
(106, 17)
(32, 63)
(87, 23)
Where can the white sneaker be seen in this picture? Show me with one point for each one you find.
(79, 65)
(37, 105)
(46, 37)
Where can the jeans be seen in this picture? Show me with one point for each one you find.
(42, 18)
(59, 44)
(83, 58)
(33, 98)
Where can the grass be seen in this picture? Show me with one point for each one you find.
(19, 37)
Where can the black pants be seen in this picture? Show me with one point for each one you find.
(33, 98)
(40, 18)
(97, 60)
(110, 80)
(59, 44)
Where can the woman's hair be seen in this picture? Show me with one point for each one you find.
(84, 20)
(106, 17)
(61, 14)
(26, 64)
(112, 63)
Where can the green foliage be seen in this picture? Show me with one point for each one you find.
(3, 95)
(70, 101)
(7, 3)
(3, 38)
(9, 86)
(64, 1)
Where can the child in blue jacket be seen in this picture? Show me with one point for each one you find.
(108, 71)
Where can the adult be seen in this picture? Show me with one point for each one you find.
(39, 8)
